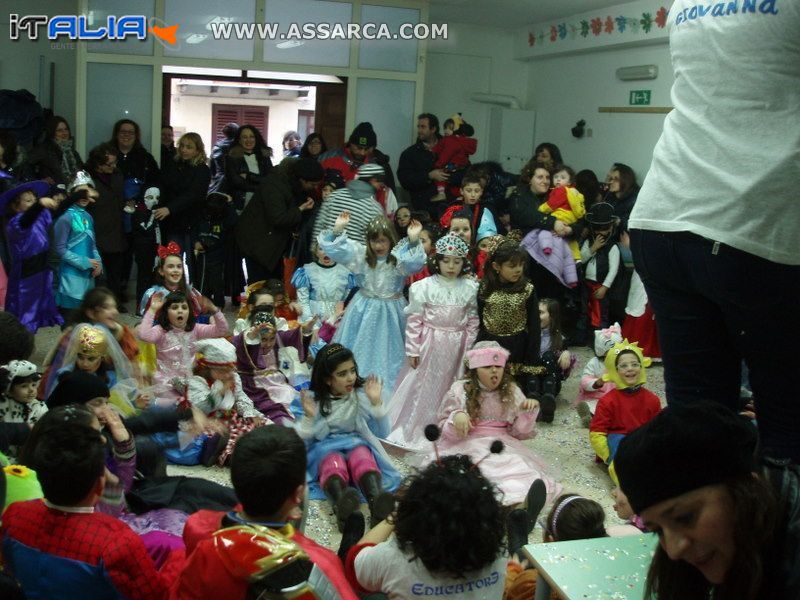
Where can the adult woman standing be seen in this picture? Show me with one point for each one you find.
(107, 214)
(55, 160)
(184, 185)
(728, 528)
(246, 165)
(623, 189)
(139, 171)
(273, 215)
(313, 146)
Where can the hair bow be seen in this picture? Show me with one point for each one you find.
(171, 249)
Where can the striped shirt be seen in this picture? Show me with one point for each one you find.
(362, 211)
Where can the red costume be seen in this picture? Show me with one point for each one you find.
(53, 553)
(222, 555)
(622, 411)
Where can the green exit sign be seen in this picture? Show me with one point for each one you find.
(639, 98)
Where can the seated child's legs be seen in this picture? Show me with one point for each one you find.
(614, 440)
(361, 461)
(333, 464)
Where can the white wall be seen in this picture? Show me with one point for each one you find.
(565, 89)
(20, 60)
(472, 59)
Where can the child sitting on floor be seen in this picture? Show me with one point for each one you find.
(268, 472)
(19, 381)
(402, 558)
(592, 386)
(84, 553)
(625, 408)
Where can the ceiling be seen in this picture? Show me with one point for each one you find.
(510, 14)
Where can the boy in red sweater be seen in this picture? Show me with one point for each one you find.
(625, 408)
(60, 547)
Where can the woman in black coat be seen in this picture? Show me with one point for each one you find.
(184, 186)
(55, 160)
(246, 165)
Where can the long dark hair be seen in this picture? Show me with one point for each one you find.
(52, 124)
(505, 252)
(92, 300)
(162, 317)
(442, 511)
(574, 517)
(137, 138)
(160, 280)
(555, 153)
(260, 147)
(554, 310)
(10, 148)
(327, 361)
(755, 540)
(627, 179)
(311, 137)
(98, 156)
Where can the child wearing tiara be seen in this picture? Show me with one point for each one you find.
(19, 382)
(625, 408)
(374, 322)
(93, 349)
(343, 417)
(30, 283)
(592, 386)
(74, 242)
(260, 354)
(487, 405)
(321, 285)
(170, 324)
(442, 323)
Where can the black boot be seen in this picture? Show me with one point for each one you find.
(381, 504)
(343, 499)
(534, 502)
(516, 530)
(354, 528)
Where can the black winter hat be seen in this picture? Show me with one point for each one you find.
(309, 169)
(600, 215)
(682, 449)
(363, 135)
(77, 387)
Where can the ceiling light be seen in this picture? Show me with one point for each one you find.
(218, 20)
(196, 38)
(289, 44)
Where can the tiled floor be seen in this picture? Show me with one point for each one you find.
(564, 445)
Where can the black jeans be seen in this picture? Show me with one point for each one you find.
(714, 306)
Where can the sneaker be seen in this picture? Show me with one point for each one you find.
(547, 408)
(585, 413)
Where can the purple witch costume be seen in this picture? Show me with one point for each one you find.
(30, 282)
(261, 380)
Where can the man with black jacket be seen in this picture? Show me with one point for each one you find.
(416, 170)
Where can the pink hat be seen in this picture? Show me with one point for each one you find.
(487, 354)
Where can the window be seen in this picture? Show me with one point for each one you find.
(221, 114)
(305, 123)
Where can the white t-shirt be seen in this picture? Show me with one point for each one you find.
(385, 568)
(727, 165)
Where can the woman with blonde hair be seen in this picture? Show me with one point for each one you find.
(184, 184)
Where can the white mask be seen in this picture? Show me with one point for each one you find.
(151, 197)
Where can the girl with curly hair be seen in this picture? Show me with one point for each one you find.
(448, 538)
(487, 405)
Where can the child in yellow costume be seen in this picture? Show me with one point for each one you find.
(565, 203)
(625, 408)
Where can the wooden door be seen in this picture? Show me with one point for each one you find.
(222, 114)
(330, 113)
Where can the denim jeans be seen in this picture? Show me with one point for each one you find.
(714, 306)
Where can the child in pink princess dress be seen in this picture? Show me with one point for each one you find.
(487, 405)
(442, 324)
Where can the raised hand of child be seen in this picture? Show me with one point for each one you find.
(308, 326)
(341, 222)
(111, 479)
(309, 404)
(209, 307)
(413, 361)
(413, 231)
(373, 388)
(529, 405)
(462, 423)
(564, 360)
(48, 203)
(156, 302)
